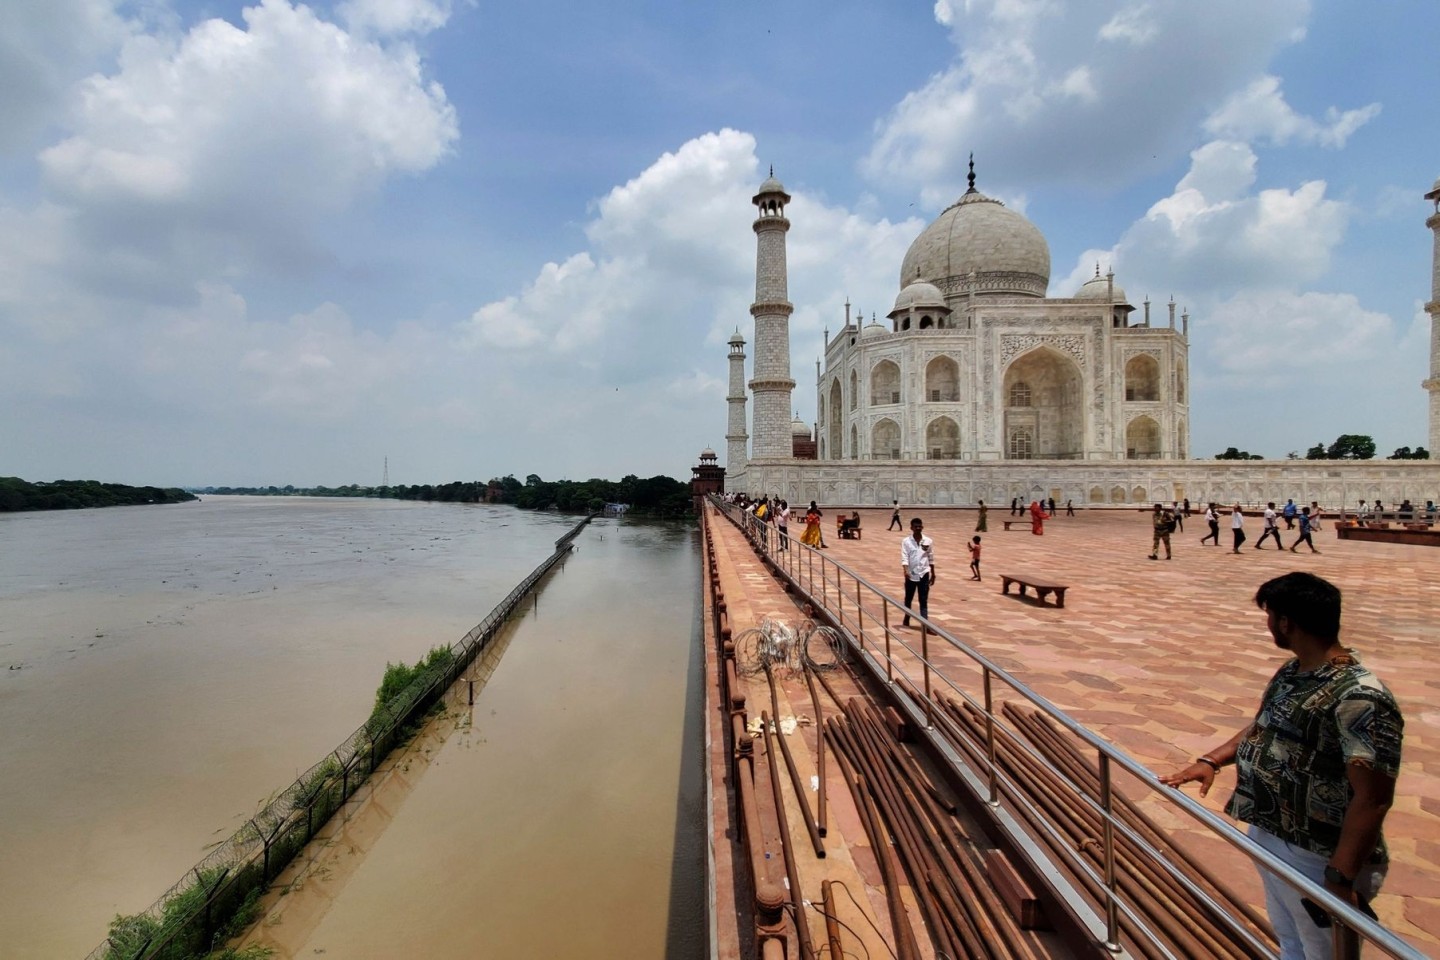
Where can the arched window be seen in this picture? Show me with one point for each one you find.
(885, 383)
(885, 441)
(1142, 439)
(854, 389)
(1142, 378)
(854, 444)
(942, 439)
(1019, 394)
(942, 380)
(1022, 444)
(837, 418)
(926, 323)
(905, 324)
(1180, 383)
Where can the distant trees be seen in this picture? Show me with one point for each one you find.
(17, 494)
(1232, 454)
(1405, 453)
(655, 496)
(1348, 446)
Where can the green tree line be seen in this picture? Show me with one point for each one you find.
(654, 496)
(17, 494)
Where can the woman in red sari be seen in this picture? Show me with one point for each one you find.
(1037, 519)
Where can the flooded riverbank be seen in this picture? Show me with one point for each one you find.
(162, 670)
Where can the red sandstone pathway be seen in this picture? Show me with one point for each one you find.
(1167, 659)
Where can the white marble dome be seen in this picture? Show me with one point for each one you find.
(799, 428)
(873, 329)
(921, 296)
(1006, 252)
(1098, 288)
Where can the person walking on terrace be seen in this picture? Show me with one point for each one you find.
(1162, 522)
(1272, 529)
(1237, 527)
(1289, 512)
(981, 524)
(812, 536)
(1305, 525)
(895, 523)
(1037, 519)
(1212, 520)
(975, 558)
(1316, 768)
(917, 559)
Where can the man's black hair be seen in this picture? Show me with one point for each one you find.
(1309, 602)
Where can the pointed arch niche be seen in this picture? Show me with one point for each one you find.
(885, 383)
(1043, 397)
(1142, 378)
(885, 440)
(942, 380)
(1142, 439)
(835, 424)
(942, 439)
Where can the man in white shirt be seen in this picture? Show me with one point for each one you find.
(1272, 529)
(917, 558)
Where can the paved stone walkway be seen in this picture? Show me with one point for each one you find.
(1167, 659)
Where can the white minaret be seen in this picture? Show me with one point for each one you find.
(771, 384)
(1433, 308)
(735, 437)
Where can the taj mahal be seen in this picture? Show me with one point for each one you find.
(980, 386)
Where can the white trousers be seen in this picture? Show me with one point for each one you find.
(1300, 938)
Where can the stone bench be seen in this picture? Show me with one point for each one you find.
(1042, 588)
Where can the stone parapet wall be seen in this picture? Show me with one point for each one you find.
(1331, 483)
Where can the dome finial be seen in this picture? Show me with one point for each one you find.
(971, 178)
(772, 169)
(1097, 269)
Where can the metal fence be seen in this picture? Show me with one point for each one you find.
(195, 915)
(983, 754)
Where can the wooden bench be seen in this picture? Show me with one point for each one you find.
(1041, 588)
(847, 528)
(1023, 523)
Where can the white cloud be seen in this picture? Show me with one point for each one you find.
(669, 272)
(44, 49)
(224, 147)
(1065, 93)
(394, 17)
(1214, 234)
(944, 14)
(1260, 113)
(1285, 336)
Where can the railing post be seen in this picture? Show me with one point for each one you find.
(1112, 908)
(889, 668)
(925, 661)
(859, 614)
(990, 751)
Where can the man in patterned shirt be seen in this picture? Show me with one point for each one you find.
(1316, 768)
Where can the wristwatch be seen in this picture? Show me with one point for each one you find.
(1334, 876)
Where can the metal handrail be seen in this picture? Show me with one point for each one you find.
(828, 590)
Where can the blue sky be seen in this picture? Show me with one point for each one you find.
(275, 243)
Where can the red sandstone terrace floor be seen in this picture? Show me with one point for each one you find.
(1168, 658)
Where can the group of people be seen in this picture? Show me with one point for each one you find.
(777, 512)
(1308, 519)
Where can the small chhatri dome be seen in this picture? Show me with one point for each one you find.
(707, 454)
(921, 296)
(1005, 252)
(799, 428)
(873, 329)
(735, 338)
(771, 185)
(1098, 288)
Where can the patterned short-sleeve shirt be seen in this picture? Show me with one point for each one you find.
(1292, 779)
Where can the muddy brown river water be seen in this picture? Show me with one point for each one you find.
(163, 670)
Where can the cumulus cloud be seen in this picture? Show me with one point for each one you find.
(670, 271)
(44, 49)
(223, 147)
(1072, 92)
(1215, 233)
(1260, 113)
(394, 17)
